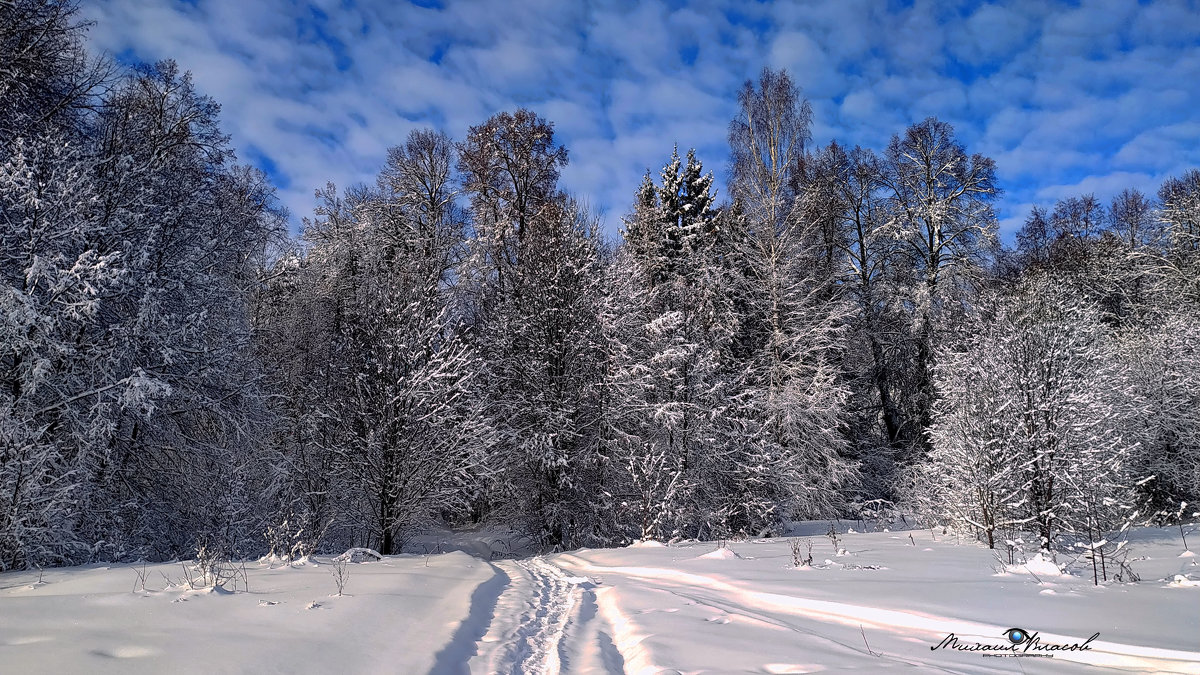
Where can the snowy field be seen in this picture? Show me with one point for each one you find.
(880, 602)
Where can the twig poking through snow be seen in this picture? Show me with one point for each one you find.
(141, 578)
(868, 644)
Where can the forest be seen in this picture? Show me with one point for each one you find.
(842, 335)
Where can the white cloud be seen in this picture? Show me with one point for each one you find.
(1065, 96)
(1104, 187)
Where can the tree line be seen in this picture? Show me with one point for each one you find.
(460, 343)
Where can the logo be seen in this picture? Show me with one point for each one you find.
(1016, 636)
(1016, 642)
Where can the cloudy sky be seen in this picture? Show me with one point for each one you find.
(1068, 98)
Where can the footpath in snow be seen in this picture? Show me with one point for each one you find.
(870, 602)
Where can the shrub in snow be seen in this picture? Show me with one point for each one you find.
(1032, 427)
(216, 569)
(340, 572)
(802, 553)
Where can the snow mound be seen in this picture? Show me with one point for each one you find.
(720, 554)
(1181, 581)
(649, 543)
(1038, 565)
(359, 555)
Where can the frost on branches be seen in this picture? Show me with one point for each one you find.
(129, 241)
(459, 344)
(1032, 426)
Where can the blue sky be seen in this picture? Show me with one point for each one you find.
(1067, 97)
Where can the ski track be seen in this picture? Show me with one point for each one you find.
(556, 624)
(737, 600)
(563, 625)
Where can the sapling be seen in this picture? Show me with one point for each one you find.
(1179, 516)
(340, 571)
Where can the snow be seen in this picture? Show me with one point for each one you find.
(87, 620)
(683, 607)
(720, 554)
(1039, 565)
(648, 543)
(359, 555)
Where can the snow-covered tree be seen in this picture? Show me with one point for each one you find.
(1032, 427)
(788, 444)
(1035, 238)
(129, 250)
(1164, 362)
(53, 288)
(846, 192)
(401, 433)
(534, 283)
(191, 230)
(47, 78)
(941, 206)
(941, 199)
(1179, 214)
(1132, 219)
(509, 166)
(51, 283)
(1179, 209)
(767, 143)
(667, 384)
(545, 357)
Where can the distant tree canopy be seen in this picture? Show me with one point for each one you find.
(458, 343)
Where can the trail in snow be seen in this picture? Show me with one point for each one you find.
(793, 612)
(545, 622)
(535, 645)
(643, 610)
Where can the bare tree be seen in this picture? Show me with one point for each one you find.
(767, 143)
(941, 199)
(510, 166)
(1131, 217)
(941, 203)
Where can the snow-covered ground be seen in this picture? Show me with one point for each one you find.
(881, 602)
